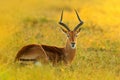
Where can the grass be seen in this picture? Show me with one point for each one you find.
(27, 22)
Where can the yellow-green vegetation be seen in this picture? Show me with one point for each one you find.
(24, 22)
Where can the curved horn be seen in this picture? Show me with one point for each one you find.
(61, 23)
(81, 22)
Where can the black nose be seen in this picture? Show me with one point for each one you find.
(73, 44)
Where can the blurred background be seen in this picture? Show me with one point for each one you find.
(24, 22)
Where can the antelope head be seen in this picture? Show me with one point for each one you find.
(71, 34)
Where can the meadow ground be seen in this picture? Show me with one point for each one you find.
(24, 22)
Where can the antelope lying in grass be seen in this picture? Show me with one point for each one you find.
(44, 53)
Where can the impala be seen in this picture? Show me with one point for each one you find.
(44, 53)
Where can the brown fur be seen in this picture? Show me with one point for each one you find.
(54, 54)
(31, 52)
(45, 53)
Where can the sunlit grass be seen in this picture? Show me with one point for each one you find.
(24, 22)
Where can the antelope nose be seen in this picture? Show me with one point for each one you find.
(73, 44)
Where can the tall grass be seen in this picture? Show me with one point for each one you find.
(24, 22)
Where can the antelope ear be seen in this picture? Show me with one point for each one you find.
(63, 30)
(78, 31)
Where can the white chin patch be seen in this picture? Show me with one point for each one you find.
(73, 46)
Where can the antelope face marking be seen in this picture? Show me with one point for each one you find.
(73, 45)
(72, 37)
